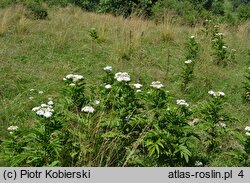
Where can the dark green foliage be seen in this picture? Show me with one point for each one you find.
(244, 12)
(4, 3)
(93, 34)
(245, 158)
(186, 10)
(191, 56)
(125, 8)
(246, 95)
(218, 7)
(187, 75)
(118, 7)
(237, 3)
(192, 48)
(89, 5)
(38, 11)
(189, 11)
(222, 56)
(62, 3)
(230, 19)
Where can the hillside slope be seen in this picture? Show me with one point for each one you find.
(37, 54)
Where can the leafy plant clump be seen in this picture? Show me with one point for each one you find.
(192, 53)
(246, 95)
(222, 53)
(120, 123)
(37, 10)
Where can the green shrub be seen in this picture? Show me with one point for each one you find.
(4, 3)
(246, 95)
(62, 3)
(244, 12)
(184, 10)
(230, 19)
(125, 8)
(117, 7)
(89, 5)
(218, 7)
(37, 11)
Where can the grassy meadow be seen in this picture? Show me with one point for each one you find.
(38, 54)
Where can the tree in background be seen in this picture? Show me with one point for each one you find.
(190, 11)
(125, 8)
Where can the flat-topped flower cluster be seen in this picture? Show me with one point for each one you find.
(156, 84)
(122, 76)
(216, 94)
(188, 61)
(219, 34)
(247, 129)
(88, 109)
(12, 129)
(45, 110)
(108, 68)
(74, 78)
(182, 102)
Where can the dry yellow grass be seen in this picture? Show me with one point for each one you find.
(12, 17)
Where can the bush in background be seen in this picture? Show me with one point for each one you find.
(244, 12)
(189, 11)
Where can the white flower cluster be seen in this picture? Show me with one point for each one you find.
(73, 77)
(223, 125)
(12, 128)
(216, 94)
(107, 68)
(247, 129)
(182, 102)
(219, 34)
(192, 37)
(122, 76)
(188, 62)
(137, 85)
(88, 109)
(156, 84)
(198, 163)
(108, 86)
(45, 110)
(193, 122)
(96, 102)
(39, 92)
